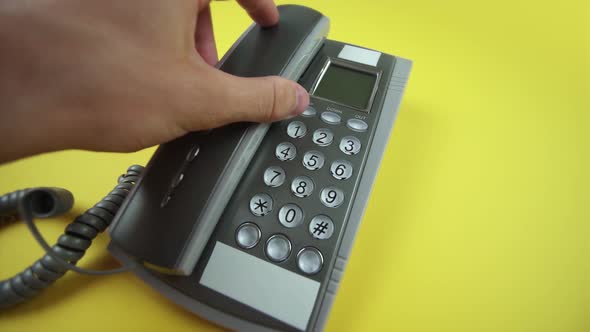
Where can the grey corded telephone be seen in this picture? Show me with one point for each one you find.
(251, 225)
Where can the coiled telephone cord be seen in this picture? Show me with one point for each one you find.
(71, 246)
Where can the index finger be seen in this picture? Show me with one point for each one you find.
(263, 12)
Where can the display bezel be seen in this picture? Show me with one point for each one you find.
(353, 66)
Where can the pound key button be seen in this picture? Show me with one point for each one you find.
(310, 260)
(321, 227)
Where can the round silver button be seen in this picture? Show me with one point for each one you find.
(290, 215)
(278, 248)
(341, 169)
(260, 205)
(321, 227)
(313, 160)
(274, 176)
(302, 186)
(309, 112)
(357, 125)
(330, 118)
(296, 129)
(285, 151)
(247, 235)
(323, 137)
(332, 197)
(310, 260)
(350, 145)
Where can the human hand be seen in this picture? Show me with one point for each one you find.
(113, 75)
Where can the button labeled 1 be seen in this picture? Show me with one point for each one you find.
(296, 129)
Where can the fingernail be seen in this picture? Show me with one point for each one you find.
(302, 100)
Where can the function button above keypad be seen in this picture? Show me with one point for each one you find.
(310, 260)
(350, 145)
(290, 216)
(341, 169)
(274, 176)
(332, 197)
(323, 137)
(260, 204)
(309, 112)
(357, 125)
(247, 235)
(296, 129)
(321, 227)
(313, 160)
(302, 186)
(278, 248)
(330, 118)
(286, 151)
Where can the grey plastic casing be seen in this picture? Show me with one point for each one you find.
(186, 290)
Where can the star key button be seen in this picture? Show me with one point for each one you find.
(260, 204)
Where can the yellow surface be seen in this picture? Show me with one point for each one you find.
(479, 220)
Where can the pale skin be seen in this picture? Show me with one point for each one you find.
(113, 75)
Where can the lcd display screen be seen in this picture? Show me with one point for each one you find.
(346, 86)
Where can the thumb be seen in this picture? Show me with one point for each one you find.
(229, 98)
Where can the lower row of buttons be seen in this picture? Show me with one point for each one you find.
(278, 248)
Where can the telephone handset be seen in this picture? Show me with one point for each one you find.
(251, 225)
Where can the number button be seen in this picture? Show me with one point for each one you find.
(302, 186)
(321, 227)
(350, 145)
(341, 169)
(313, 160)
(296, 129)
(323, 137)
(274, 176)
(260, 205)
(285, 151)
(290, 215)
(332, 197)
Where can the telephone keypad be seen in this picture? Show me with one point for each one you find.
(330, 118)
(296, 129)
(302, 186)
(321, 227)
(278, 248)
(323, 137)
(350, 145)
(274, 176)
(310, 260)
(286, 151)
(261, 204)
(290, 215)
(313, 160)
(298, 236)
(248, 235)
(332, 197)
(341, 169)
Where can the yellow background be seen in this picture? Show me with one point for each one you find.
(479, 219)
